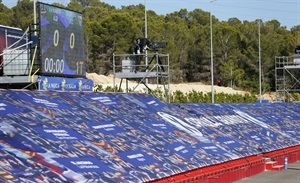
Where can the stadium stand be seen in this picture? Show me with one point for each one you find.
(50, 136)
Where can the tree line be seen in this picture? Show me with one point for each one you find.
(110, 30)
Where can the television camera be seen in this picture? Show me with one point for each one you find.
(145, 44)
(297, 49)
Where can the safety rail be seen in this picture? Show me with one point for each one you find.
(146, 68)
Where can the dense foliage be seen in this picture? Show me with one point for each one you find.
(110, 30)
(191, 96)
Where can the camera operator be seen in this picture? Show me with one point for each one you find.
(144, 44)
(137, 52)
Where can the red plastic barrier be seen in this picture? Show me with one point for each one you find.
(234, 170)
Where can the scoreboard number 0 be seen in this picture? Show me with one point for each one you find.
(72, 40)
(56, 38)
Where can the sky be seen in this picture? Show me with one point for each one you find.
(287, 12)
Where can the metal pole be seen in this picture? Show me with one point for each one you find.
(114, 72)
(259, 56)
(146, 53)
(34, 16)
(231, 77)
(211, 58)
(146, 31)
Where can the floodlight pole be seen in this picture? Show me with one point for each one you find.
(146, 52)
(145, 21)
(259, 60)
(211, 58)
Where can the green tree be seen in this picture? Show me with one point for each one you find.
(231, 74)
(112, 34)
(22, 14)
(225, 50)
(5, 15)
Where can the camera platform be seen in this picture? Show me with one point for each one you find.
(153, 68)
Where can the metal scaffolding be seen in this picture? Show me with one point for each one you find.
(287, 72)
(153, 68)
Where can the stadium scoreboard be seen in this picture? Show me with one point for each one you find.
(62, 50)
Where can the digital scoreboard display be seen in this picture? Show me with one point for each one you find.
(61, 41)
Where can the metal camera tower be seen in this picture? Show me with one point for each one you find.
(287, 77)
(153, 66)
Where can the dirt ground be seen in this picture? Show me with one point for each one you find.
(109, 80)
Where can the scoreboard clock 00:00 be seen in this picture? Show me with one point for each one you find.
(61, 41)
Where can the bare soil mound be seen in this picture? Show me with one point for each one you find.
(109, 80)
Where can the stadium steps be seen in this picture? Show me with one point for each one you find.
(272, 165)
